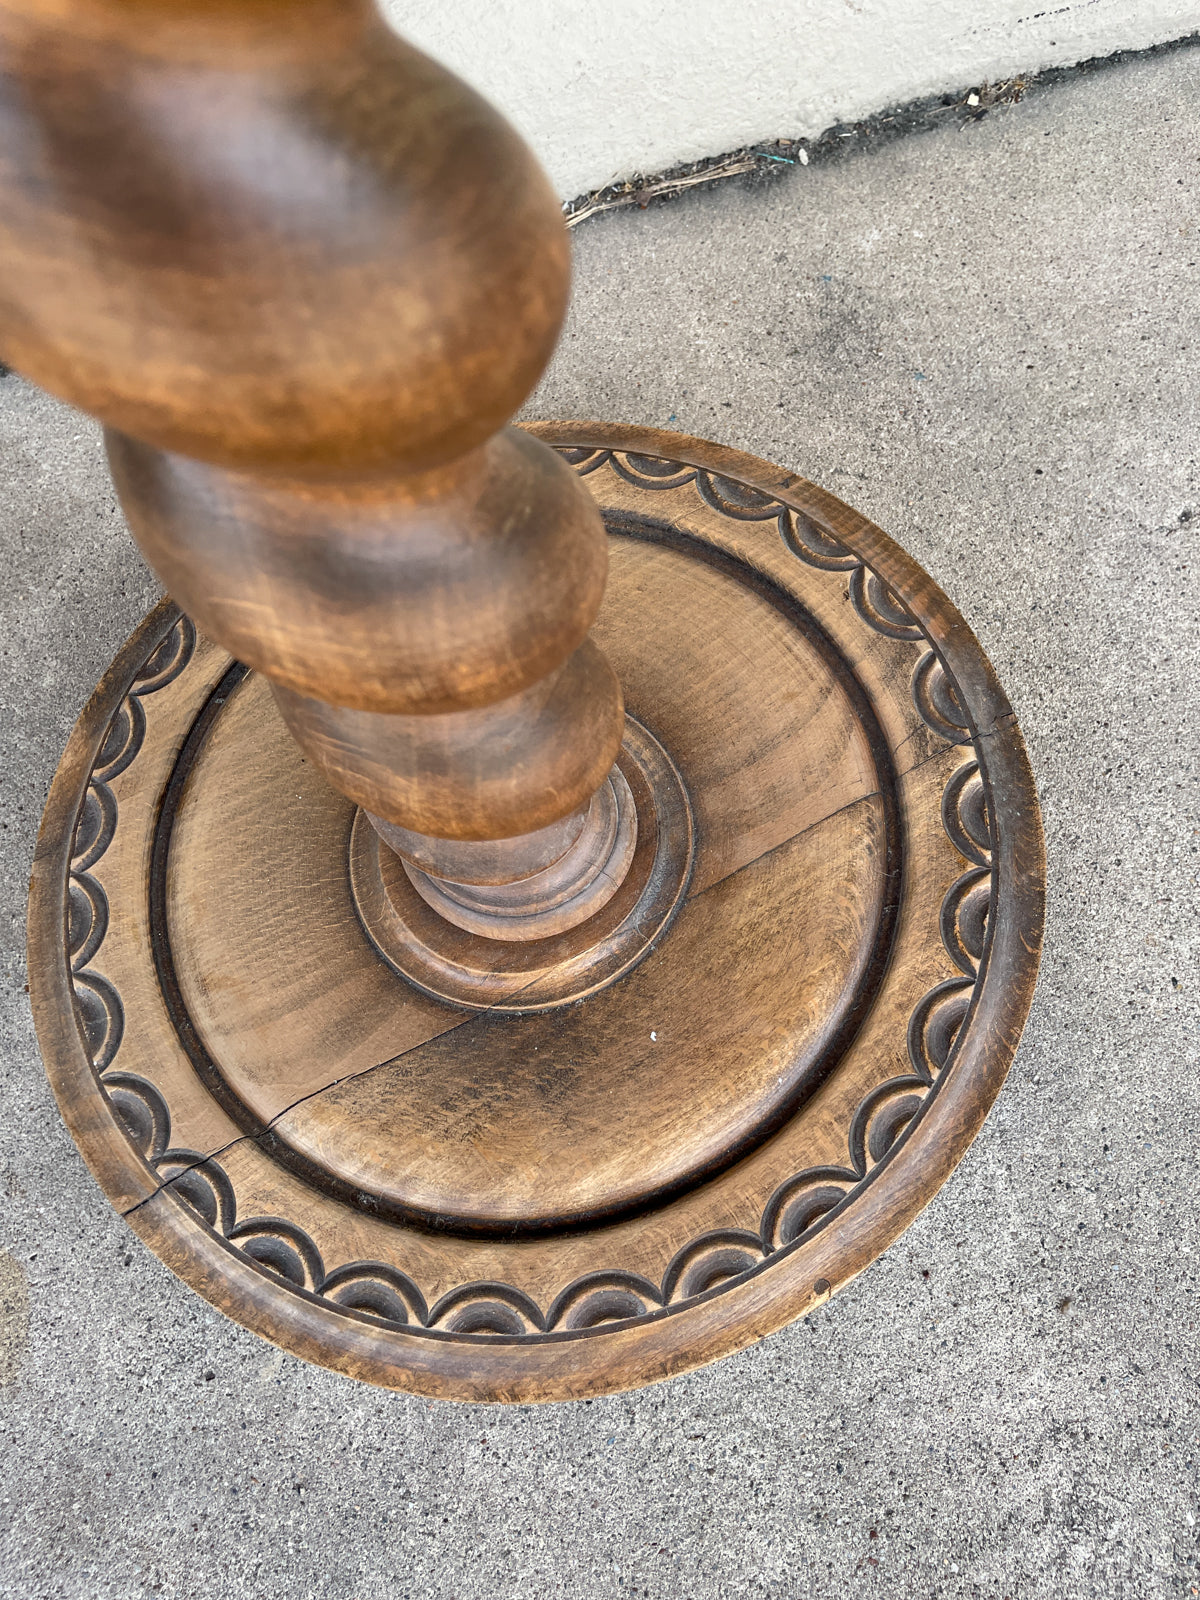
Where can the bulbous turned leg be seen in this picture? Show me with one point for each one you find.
(337, 502)
(426, 639)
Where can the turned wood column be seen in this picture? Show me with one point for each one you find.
(304, 276)
(573, 1049)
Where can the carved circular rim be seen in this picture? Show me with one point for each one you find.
(977, 1018)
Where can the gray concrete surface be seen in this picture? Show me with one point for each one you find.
(987, 340)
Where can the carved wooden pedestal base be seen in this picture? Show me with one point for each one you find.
(816, 973)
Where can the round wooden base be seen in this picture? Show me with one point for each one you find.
(816, 984)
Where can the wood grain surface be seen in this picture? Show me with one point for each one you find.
(281, 1116)
(305, 276)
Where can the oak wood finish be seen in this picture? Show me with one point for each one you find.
(434, 592)
(529, 1207)
(565, 894)
(345, 860)
(268, 234)
(545, 958)
(304, 276)
(508, 768)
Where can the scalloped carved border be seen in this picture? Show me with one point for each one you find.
(710, 1263)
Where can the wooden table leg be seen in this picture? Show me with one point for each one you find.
(473, 977)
